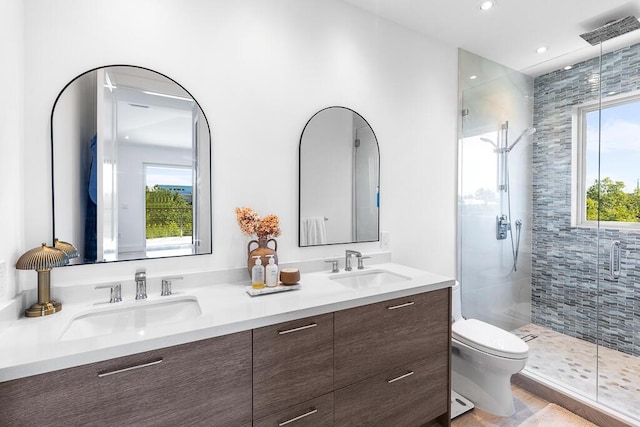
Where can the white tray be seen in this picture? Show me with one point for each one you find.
(267, 290)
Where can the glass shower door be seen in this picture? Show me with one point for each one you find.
(617, 121)
(494, 200)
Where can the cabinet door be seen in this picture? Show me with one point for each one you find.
(376, 337)
(206, 382)
(317, 412)
(292, 362)
(412, 395)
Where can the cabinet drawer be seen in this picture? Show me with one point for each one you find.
(292, 363)
(205, 382)
(409, 396)
(317, 412)
(376, 337)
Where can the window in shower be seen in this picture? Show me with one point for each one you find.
(608, 147)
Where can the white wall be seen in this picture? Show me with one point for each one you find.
(260, 70)
(11, 141)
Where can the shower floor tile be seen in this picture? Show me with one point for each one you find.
(571, 362)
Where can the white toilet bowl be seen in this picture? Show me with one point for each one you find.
(483, 358)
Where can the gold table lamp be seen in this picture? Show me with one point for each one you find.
(69, 250)
(43, 259)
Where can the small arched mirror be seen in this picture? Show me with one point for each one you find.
(131, 167)
(339, 179)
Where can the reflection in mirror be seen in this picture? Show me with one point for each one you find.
(131, 167)
(339, 179)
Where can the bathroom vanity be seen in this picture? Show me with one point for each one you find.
(327, 354)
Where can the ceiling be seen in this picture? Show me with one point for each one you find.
(512, 30)
(152, 109)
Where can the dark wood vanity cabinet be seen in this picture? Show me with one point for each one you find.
(410, 395)
(316, 412)
(201, 383)
(292, 363)
(375, 337)
(389, 363)
(383, 364)
(392, 362)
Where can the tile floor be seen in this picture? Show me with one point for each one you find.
(585, 368)
(528, 408)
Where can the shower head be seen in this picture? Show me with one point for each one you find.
(526, 132)
(611, 30)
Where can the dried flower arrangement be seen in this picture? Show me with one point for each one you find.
(250, 223)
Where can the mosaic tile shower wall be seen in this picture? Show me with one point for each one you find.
(564, 286)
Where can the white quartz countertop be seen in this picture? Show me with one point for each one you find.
(31, 346)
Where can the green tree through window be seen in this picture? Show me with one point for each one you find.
(168, 214)
(614, 204)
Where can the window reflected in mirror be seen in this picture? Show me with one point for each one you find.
(168, 210)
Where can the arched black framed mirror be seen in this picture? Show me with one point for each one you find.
(131, 166)
(339, 179)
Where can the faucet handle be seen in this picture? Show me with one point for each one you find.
(334, 265)
(166, 285)
(141, 284)
(116, 292)
(361, 261)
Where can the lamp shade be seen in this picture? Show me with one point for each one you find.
(42, 258)
(66, 247)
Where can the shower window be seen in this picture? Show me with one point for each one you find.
(607, 145)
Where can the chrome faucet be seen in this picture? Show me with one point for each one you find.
(116, 292)
(334, 265)
(166, 286)
(361, 262)
(141, 284)
(347, 259)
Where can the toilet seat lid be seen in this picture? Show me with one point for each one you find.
(489, 338)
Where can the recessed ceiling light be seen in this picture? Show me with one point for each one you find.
(568, 67)
(473, 77)
(486, 5)
(541, 49)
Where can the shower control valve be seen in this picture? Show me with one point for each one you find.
(502, 227)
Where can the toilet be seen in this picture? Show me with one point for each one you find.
(483, 358)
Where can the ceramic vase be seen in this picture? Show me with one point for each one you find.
(261, 248)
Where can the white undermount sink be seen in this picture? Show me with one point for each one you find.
(129, 316)
(368, 278)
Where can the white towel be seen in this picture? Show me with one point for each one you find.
(313, 231)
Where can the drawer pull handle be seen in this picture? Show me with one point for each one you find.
(311, 411)
(130, 368)
(406, 304)
(393, 380)
(301, 328)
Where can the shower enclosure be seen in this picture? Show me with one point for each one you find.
(572, 190)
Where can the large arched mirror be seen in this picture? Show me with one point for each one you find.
(131, 167)
(339, 179)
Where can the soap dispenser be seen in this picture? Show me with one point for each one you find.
(257, 274)
(271, 273)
